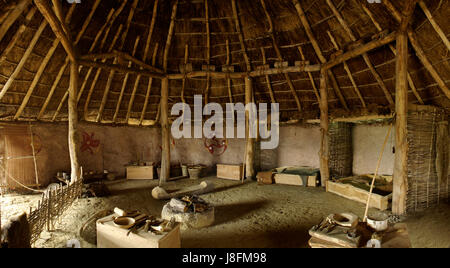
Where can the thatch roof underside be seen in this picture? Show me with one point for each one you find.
(206, 32)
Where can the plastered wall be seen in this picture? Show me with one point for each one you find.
(111, 148)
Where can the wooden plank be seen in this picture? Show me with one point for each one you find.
(350, 192)
(165, 126)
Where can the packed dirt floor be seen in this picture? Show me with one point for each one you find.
(247, 215)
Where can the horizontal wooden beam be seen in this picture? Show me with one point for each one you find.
(240, 75)
(120, 68)
(361, 50)
(124, 56)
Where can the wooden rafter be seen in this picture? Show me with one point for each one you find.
(125, 82)
(280, 57)
(208, 52)
(97, 75)
(349, 72)
(229, 82)
(66, 63)
(365, 56)
(25, 57)
(435, 25)
(419, 50)
(394, 51)
(149, 87)
(17, 35)
(41, 69)
(317, 49)
(57, 28)
(241, 35)
(186, 60)
(269, 83)
(112, 72)
(146, 52)
(311, 78)
(13, 15)
(170, 35)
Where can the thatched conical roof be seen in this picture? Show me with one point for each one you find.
(161, 37)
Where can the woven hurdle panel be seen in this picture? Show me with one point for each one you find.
(425, 188)
(341, 150)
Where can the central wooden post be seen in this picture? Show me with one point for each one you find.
(165, 157)
(250, 145)
(324, 128)
(401, 133)
(73, 122)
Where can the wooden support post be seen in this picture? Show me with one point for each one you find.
(73, 123)
(229, 82)
(165, 127)
(186, 60)
(324, 153)
(401, 155)
(401, 109)
(250, 144)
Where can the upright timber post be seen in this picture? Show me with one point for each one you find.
(324, 128)
(250, 146)
(401, 108)
(73, 122)
(165, 157)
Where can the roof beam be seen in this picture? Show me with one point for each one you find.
(17, 34)
(80, 92)
(57, 28)
(269, 83)
(435, 25)
(419, 50)
(311, 78)
(149, 88)
(241, 35)
(112, 71)
(394, 51)
(208, 51)
(280, 57)
(317, 49)
(41, 69)
(349, 72)
(12, 17)
(365, 56)
(25, 57)
(146, 52)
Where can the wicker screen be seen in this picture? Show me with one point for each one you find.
(341, 150)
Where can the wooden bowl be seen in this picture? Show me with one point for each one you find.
(124, 222)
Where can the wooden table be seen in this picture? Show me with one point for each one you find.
(110, 236)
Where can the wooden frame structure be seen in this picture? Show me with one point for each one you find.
(54, 17)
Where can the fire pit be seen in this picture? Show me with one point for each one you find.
(191, 211)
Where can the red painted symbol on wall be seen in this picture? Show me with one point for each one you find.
(89, 144)
(216, 146)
